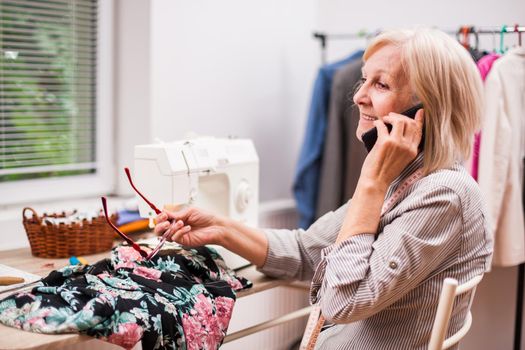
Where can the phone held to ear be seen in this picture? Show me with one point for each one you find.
(370, 137)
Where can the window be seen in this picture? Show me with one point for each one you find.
(55, 110)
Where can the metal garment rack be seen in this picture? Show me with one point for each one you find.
(463, 36)
(324, 37)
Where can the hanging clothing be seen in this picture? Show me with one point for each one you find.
(484, 66)
(501, 156)
(182, 298)
(343, 153)
(306, 181)
(476, 54)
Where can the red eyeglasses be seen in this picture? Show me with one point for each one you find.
(144, 254)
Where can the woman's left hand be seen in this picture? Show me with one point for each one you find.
(395, 150)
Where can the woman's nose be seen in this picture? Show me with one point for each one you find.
(361, 95)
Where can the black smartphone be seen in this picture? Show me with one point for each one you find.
(370, 137)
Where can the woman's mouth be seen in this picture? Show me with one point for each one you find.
(368, 117)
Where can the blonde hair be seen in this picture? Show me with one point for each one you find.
(446, 80)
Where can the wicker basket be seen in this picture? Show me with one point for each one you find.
(50, 240)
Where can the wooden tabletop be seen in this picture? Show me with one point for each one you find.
(12, 338)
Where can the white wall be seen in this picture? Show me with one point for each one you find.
(235, 67)
(132, 81)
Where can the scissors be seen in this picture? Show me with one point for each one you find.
(142, 252)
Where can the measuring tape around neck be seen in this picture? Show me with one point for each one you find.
(316, 320)
(394, 198)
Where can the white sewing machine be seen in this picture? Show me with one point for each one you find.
(217, 174)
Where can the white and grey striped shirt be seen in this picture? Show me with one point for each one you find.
(382, 293)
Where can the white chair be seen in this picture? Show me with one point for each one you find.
(444, 310)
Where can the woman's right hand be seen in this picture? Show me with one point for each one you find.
(393, 150)
(190, 226)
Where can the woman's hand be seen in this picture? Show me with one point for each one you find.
(190, 226)
(194, 227)
(395, 150)
(391, 154)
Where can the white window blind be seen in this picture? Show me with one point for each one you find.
(48, 81)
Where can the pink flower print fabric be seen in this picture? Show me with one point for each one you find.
(182, 299)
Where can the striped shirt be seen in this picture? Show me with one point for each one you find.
(382, 291)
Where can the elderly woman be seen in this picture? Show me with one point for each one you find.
(377, 264)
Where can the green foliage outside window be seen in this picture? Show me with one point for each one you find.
(47, 89)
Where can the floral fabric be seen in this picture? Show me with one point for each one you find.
(181, 299)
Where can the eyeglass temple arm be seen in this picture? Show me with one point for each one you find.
(151, 205)
(126, 238)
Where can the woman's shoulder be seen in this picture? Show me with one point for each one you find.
(455, 179)
(455, 176)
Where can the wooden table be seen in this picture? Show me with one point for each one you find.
(12, 338)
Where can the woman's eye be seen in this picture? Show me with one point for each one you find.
(382, 85)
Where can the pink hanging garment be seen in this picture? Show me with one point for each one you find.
(484, 66)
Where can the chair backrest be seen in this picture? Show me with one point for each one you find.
(450, 291)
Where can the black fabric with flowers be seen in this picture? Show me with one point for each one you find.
(181, 299)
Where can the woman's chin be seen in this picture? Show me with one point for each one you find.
(361, 129)
(358, 134)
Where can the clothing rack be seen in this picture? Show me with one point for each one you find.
(323, 37)
(464, 31)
